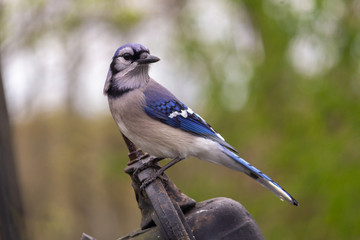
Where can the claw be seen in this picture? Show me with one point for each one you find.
(146, 182)
(149, 180)
(144, 166)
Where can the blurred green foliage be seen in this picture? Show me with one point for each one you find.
(301, 127)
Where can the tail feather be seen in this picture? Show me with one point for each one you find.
(244, 166)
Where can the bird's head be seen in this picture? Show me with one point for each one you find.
(130, 63)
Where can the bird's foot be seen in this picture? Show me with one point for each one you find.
(151, 162)
(149, 180)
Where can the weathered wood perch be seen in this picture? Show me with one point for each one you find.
(167, 213)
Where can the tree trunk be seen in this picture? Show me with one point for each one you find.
(12, 223)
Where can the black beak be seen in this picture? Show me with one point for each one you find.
(148, 59)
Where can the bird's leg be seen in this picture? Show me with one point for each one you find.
(158, 159)
(168, 165)
(159, 172)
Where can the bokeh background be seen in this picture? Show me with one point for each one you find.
(279, 79)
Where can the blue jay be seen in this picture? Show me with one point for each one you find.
(155, 120)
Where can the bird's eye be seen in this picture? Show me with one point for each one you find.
(127, 56)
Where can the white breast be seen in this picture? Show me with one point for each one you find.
(152, 136)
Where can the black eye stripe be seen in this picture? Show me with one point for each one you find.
(133, 57)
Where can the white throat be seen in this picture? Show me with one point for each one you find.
(136, 76)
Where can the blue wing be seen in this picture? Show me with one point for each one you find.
(166, 108)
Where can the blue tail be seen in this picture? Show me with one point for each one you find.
(244, 166)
